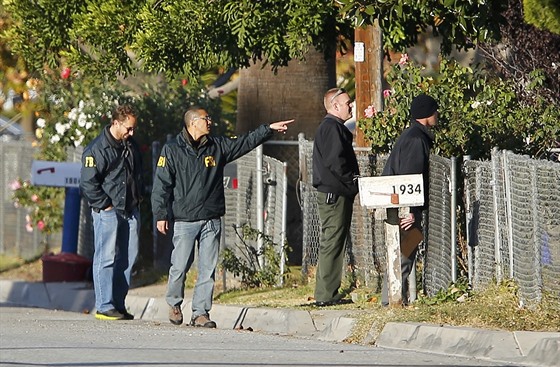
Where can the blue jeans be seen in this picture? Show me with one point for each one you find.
(206, 234)
(116, 249)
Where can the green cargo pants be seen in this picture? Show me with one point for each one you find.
(335, 228)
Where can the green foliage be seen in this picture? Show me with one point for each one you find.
(111, 38)
(460, 22)
(456, 291)
(9, 262)
(477, 112)
(543, 14)
(257, 267)
(41, 30)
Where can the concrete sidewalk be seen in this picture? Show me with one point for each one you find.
(519, 347)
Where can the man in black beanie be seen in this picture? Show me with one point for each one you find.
(411, 155)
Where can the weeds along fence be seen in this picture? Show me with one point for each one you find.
(512, 213)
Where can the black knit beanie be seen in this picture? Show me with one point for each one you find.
(423, 106)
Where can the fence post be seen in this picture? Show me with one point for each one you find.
(508, 204)
(284, 220)
(260, 202)
(302, 177)
(468, 218)
(537, 232)
(453, 178)
(497, 237)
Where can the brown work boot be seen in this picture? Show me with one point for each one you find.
(175, 315)
(203, 321)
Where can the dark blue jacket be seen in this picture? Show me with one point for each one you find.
(104, 173)
(411, 154)
(193, 178)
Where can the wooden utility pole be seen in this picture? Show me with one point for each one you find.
(368, 57)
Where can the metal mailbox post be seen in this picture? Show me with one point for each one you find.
(396, 194)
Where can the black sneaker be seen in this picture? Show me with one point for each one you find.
(202, 321)
(111, 314)
(332, 302)
(126, 315)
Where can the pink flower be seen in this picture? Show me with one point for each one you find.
(41, 225)
(15, 185)
(65, 73)
(34, 198)
(29, 227)
(404, 59)
(370, 111)
(386, 93)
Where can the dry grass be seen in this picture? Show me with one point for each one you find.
(18, 269)
(496, 308)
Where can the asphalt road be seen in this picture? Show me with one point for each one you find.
(41, 337)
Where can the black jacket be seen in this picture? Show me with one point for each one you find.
(411, 154)
(335, 166)
(193, 178)
(105, 179)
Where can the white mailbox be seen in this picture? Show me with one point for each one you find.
(391, 191)
(60, 174)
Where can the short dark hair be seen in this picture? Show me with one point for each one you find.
(191, 113)
(121, 112)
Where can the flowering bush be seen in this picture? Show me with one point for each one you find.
(73, 110)
(477, 111)
(43, 205)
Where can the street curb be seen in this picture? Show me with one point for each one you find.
(538, 349)
(520, 347)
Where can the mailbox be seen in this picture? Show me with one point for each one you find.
(59, 174)
(66, 266)
(391, 191)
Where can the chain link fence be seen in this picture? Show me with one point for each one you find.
(512, 207)
(513, 215)
(366, 249)
(241, 202)
(15, 240)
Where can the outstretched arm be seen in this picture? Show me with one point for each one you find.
(281, 126)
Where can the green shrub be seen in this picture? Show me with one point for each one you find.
(257, 267)
(477, 112)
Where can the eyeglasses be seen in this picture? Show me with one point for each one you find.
(206, 118)
(338, 93)
(128, 128)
